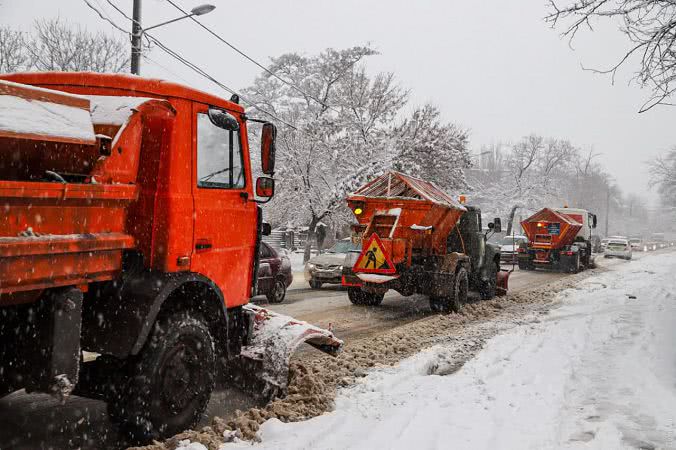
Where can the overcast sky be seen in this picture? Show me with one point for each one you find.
(490, 66)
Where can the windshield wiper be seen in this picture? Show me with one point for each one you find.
(213, 174)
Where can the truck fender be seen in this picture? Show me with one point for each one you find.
(117, 322)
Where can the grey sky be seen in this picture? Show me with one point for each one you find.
(492, 67)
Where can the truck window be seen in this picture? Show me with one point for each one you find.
(219, 156)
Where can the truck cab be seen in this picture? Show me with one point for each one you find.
(484, 255)
(131, 230)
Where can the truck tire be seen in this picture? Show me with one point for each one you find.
(454, 302)
(166, 386)
(315, 284)
(359, 297)
(278, 292)
(489, 287)
(526, 265)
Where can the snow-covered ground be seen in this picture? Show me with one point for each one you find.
(597, 372)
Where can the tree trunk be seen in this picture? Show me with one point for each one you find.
(510, 221)
(310, 237)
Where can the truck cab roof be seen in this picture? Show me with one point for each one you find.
(118, 85)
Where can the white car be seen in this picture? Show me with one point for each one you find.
(509, 247)
(618, 248)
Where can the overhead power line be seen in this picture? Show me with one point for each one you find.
(188, 63)
(242, 53)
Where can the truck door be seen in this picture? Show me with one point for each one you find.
(225, 218)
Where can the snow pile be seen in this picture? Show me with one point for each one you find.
(114, 110)
(22, 116)
(598, 372)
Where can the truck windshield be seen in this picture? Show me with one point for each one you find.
(219, 156)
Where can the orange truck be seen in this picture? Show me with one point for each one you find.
(416, 239)
(558, 239)
(130, 230)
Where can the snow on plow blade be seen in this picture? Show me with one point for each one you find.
(264, 361)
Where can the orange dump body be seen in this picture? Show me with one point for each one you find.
(549, 230)
(72, 230)
(412, 217)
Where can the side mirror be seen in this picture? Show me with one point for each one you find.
(265, 187)
(266, 229)
(593, 220)
(268, 138)
(223, 119)
(497, 225)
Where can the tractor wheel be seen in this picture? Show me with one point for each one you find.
(277, 294)
(315, 284)
(359, 297)
(166, 386)
(454, 302)
(489, 287)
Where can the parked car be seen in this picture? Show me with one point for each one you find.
(274, 274)
(604, 244)
(328, 266)
(509, 246)
(618, 248)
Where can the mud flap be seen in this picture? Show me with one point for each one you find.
(263, 364)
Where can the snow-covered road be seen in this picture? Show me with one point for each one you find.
(597, 372)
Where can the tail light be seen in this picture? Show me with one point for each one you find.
(521, 250)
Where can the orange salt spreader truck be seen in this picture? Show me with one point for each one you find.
(416, 239)
(558, 239)
(130, 229)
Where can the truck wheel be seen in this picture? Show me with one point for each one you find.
(359, 297)
(315, 284)
(169, 383)
(489, 288)
(455, 301)
(278, 293)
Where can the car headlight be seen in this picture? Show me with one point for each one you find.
(309, 266)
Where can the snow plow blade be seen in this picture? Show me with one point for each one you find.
(503, 281)
(264, 362)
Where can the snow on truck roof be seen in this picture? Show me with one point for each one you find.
(396, 184)
(117, 85)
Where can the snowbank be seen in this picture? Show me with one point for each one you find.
(598, 372)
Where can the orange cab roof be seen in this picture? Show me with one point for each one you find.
(129, 85)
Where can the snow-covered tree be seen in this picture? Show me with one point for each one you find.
(55, 44)
(339, 127)
(13, 54)
(663, 176)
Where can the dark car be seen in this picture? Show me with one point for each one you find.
(274, 274)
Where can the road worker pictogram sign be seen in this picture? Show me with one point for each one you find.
(373, 258)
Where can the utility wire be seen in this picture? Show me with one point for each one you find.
(189, 64)
(242, 53)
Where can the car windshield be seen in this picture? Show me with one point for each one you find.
(617, 243)
(635, 241)
(342, 247)
(512, 240)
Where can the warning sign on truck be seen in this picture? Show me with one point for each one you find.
(373, 258)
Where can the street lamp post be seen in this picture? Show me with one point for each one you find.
(137, 30)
